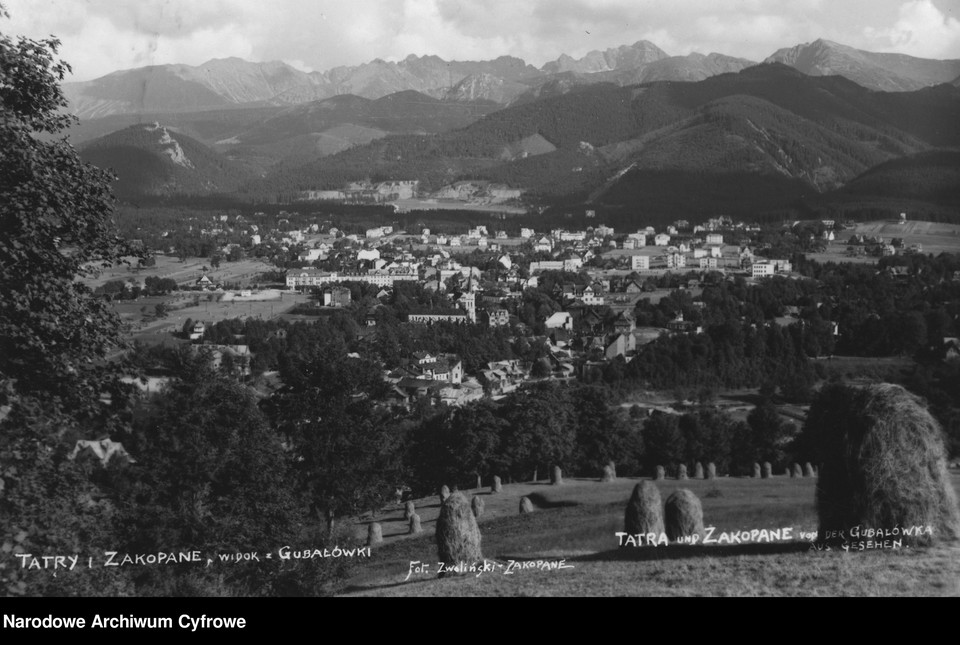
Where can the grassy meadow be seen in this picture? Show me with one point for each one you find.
(577, 522)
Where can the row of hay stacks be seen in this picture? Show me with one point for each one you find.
(759, 472)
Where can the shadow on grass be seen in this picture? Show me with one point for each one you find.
(540, 501)
(750, 399)
(687, 552)
(378, 587)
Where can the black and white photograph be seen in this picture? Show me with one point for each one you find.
(475, 299)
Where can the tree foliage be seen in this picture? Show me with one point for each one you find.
(55, 214)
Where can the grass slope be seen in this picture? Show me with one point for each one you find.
(577, 522)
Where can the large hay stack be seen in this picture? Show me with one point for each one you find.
(374, 534)
(756, 471)
(882, 463)
(609, 474)
(698, 471)
(556, 476)
(711, 470)
(409, 510)
(458, 536)
(644, 512)
(767, 470)
(797, 471)
(444, 494)
(808, 470)
(477, 506)
(682, 472)
(661, 474)
(683, 515)
(415, 526)
(526, 506)
(613, 468)
(497, 486)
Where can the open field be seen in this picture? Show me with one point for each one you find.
(935, 238)
(244, 272)
(577, 523)
(207, 307)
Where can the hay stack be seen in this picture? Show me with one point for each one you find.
(415, 527)
(477, 505)
(497, 486)
(374, 534)
(556, 476)
(661, 474)
(756, 471)
(444, 494)
(711, 470)
(458, 536)
(644, 512)
(409, 511)
(682, 472)
(609, 475)
(808, 470)
(683, 515)
(698, 471)
(613, 467)
(767, 470)
(798, 471)
(882, 463)
(526, 506)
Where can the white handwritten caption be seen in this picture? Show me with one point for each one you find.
(110, 559)
(511, 567)
(847, 540)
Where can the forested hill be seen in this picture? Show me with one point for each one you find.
(154, 160)
(770, 124)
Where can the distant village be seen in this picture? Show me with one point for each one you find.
(596, 277)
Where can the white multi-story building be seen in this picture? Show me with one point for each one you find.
(640, 262)
(767, 268)
(538, 267)
(763, 269)
(303, 278)
(715, 238)
(676, 261)
(604, 231)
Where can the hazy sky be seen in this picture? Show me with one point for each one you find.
(101, 36)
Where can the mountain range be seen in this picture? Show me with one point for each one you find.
(760, 138)
(614, 129)
(232, 82)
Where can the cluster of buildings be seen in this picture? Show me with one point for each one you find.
(365, 192)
